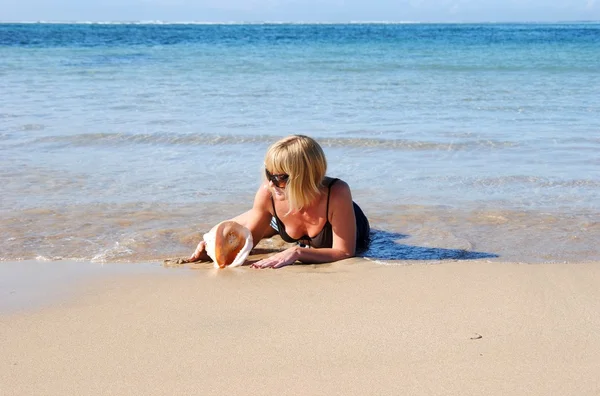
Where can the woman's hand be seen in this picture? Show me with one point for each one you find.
(281, 259)
(200, 253)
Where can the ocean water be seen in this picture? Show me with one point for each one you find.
(125, 142)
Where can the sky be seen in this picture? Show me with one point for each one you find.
(300, 10)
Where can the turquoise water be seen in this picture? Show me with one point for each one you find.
(125, 142)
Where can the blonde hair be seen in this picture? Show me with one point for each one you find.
(304, 161)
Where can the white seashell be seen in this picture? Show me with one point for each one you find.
(228, 244)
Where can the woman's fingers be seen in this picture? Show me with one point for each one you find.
(265, 263)
(282, 264)
(276, 261)
(261, 264)
(199, 253)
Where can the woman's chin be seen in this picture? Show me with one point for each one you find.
(278, 194)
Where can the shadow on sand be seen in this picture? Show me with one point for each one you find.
(384, 246)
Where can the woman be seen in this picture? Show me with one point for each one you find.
(302, 205)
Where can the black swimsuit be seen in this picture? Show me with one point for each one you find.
(324, 239)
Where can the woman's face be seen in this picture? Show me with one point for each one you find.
(277, 183)
(278, 193)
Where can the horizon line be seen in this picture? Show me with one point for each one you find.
(351, 22)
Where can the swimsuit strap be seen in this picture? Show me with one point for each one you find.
(331, 183)
(273, 204)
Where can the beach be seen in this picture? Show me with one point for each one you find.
(348, 328)
(471, 148)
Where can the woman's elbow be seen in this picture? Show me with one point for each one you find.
(346, 254)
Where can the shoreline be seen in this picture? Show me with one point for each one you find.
(351, 327)
(141, 234)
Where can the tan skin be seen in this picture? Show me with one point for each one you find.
(308, 221)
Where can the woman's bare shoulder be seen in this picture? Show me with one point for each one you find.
(263, 197)
(340, 197)
(340, 189)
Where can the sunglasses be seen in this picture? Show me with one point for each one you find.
(279, 180)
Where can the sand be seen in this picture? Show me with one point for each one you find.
(348, 328)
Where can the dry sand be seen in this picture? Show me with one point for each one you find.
(348, 328)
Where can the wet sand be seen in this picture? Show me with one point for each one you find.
(469, 327)
(138, 233)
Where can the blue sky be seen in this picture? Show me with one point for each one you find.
(300, 10)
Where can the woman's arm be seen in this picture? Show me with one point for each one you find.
(343, 223)
(257, 220)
